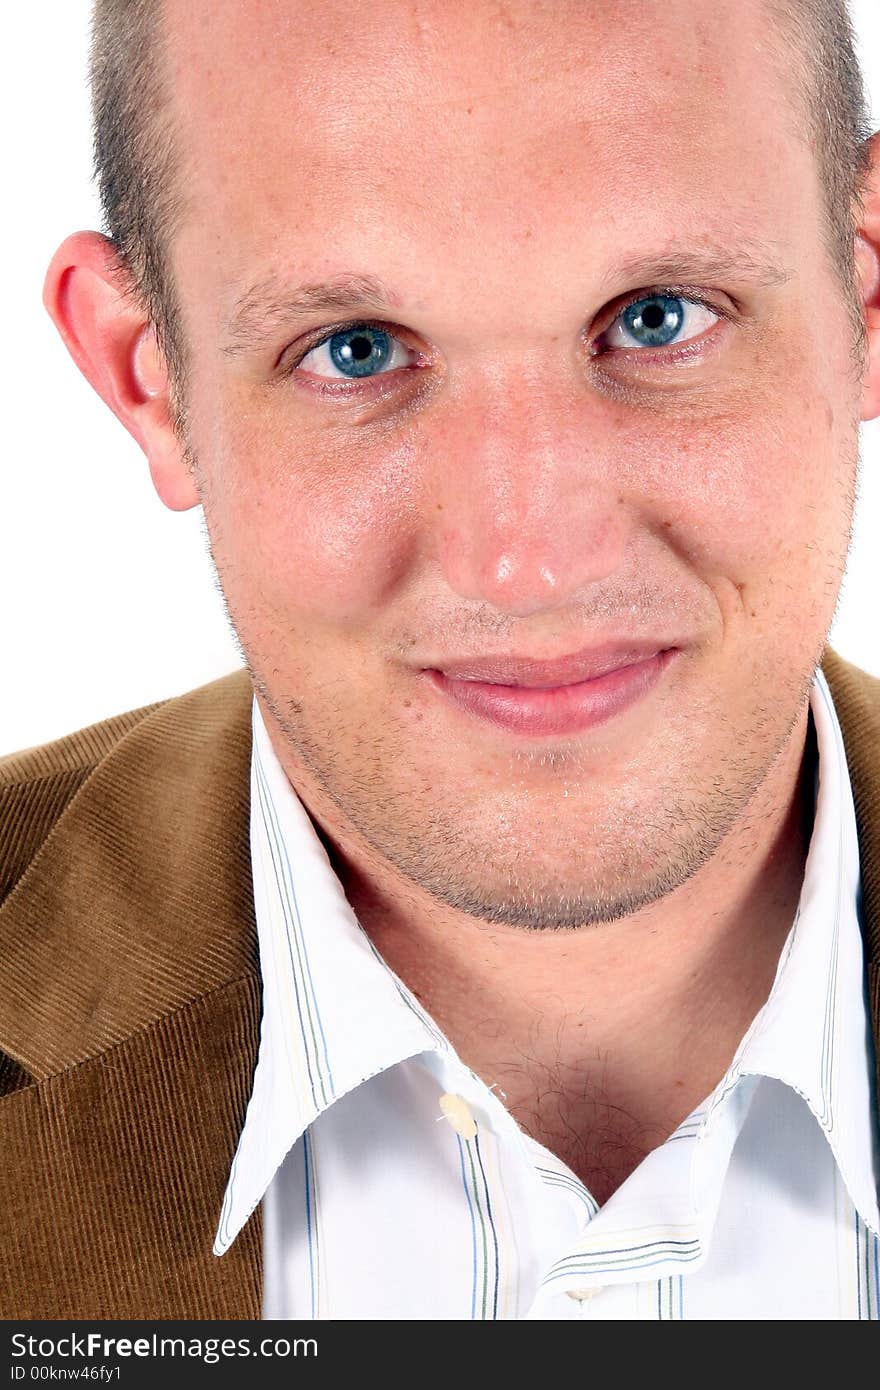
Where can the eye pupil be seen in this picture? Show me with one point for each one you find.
(653, 316)
(360, 351)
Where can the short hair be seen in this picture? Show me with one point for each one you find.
(137, 154)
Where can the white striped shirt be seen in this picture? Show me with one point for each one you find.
(762, 1203)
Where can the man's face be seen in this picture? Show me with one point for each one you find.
(520, 468)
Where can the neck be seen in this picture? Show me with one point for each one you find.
(604, 1038)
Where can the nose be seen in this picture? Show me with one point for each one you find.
(529, 512)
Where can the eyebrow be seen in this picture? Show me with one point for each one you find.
(273, 305)
(745, 262)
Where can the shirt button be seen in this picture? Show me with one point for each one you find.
(582, 1294)
(458, 1115)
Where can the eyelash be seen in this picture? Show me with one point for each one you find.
(333, 384)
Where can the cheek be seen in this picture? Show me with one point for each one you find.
(321, 531)
(751, 489)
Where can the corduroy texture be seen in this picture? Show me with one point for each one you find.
(129, 1014)
(130, 1002)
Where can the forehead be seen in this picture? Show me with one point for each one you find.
(343, 130)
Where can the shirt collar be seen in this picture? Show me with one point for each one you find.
(813, 1033)
(334, 1014)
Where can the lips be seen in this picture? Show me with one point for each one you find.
(564, 696)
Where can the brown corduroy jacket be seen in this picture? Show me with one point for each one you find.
(130, 1002)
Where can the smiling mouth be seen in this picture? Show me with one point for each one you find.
(567, 707)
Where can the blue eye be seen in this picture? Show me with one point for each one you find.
(358, 351)
(658, 320)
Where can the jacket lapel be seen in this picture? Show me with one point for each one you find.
(130, 994)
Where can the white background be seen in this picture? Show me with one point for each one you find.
(107, 599)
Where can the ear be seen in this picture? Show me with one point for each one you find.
(88, 293)
(868, 280)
